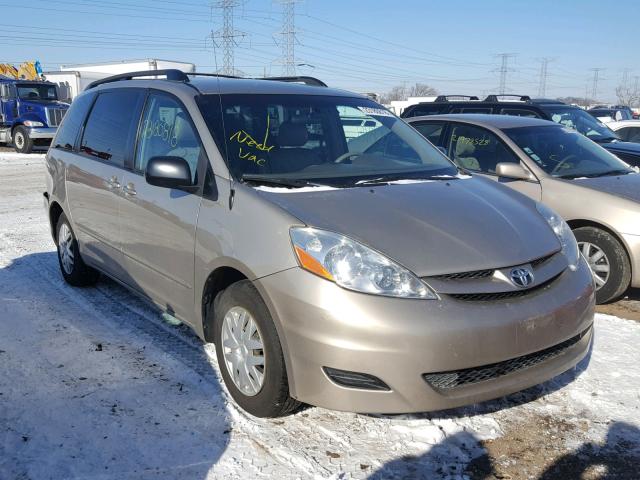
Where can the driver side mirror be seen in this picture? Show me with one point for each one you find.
(514, 171)
(168, 172)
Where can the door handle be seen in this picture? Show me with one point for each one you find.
(113, 183)
(129, 189)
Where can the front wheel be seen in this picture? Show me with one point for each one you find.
(249, 352)
(21, 140)
(608, 261)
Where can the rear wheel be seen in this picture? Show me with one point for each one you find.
(608, 261)
(21, 140)
(249, 352)
(73, 268)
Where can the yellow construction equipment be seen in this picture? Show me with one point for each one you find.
(26, 71)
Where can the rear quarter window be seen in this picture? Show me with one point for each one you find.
(519, 112)
(112, 125)
(68, 132)
(421, 110)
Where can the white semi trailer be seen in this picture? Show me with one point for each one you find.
(73, 79)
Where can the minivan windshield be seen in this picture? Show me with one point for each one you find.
(299, 139)
(36, 91)
(563, 153)
(578, 119)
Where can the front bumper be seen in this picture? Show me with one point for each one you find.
(42, 132)
(400, 340)
(633, 245)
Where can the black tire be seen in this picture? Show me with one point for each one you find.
(273, 398)
(21, 140)
(619, 265)
(80, 274)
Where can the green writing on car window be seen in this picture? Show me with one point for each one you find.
(481, 142)
(161, 130)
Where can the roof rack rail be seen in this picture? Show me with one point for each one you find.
(201, 74)
(171, 74)
(297, 79)
(180, 76)
(495, 98)
(449, 98)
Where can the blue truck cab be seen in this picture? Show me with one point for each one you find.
(30, 113)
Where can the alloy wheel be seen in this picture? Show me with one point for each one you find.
(65, 248)
(598, 262)
(243, 350)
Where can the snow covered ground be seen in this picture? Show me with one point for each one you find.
(94, 385)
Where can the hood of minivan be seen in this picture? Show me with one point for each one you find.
(624, 186)
(432, 228)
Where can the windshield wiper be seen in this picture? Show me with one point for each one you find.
(620, 171)
(572, 176)
(385, 180)
(283, 182)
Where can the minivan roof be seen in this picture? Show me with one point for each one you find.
(497, 121)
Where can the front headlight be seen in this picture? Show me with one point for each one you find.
(33, 123)
(354, 266)
(564, 234)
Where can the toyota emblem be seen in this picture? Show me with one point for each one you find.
(521, 277)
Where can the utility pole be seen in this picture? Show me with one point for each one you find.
(227, 35)
(503, 70)
(594, 82)
(625, 77)
(542, 86)
(288, 37)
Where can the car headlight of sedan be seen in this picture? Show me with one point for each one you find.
(33, 123)
(564, 234)
(354, 266)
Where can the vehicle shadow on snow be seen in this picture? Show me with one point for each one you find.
(464, 456)
(131, 397)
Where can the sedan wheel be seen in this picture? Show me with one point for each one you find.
(598, 262)
(243, 351)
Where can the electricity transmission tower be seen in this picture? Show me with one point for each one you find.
(503, 70)
(288, 36)
(227, 35)
(594, 82)
(542, 86)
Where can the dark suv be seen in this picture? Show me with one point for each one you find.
(524, 106)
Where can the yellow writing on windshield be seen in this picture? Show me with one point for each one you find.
(244, 138)
(251, 157)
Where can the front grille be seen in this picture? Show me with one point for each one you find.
(466, 275)
(488, 297)
(55, 115)
(487, 273)
(536, 263)
(469, 376)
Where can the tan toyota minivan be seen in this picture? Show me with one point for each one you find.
(331, 253)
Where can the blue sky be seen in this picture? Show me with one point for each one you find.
(358, 45)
